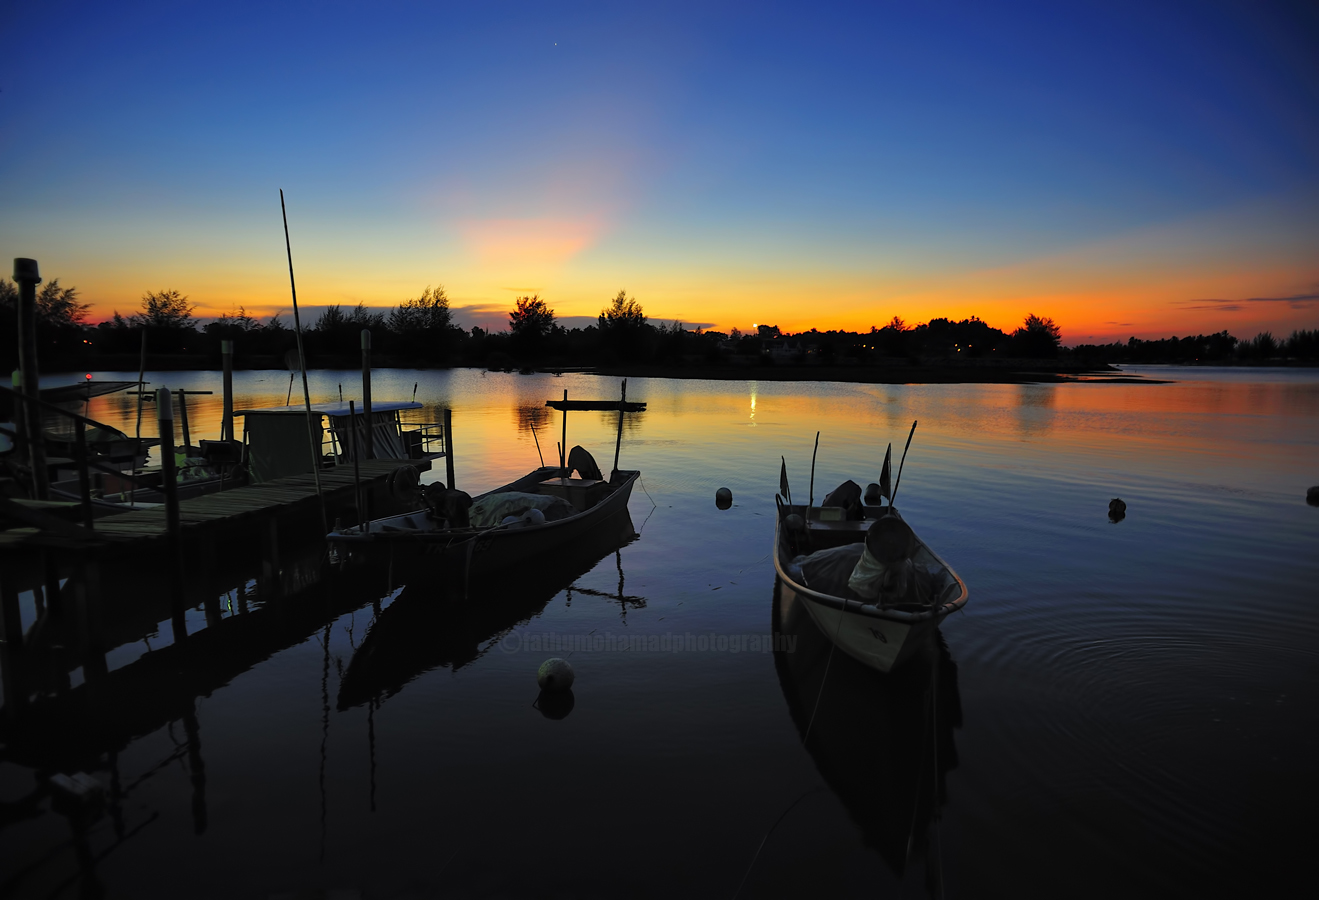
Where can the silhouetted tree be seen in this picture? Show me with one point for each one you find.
(1038, 338)
(531, 323)
(622, 326)
(164, 309)
(423, 326)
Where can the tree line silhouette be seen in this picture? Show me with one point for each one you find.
(420, 331)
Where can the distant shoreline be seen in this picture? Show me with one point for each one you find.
(931, 374)
(998, 372)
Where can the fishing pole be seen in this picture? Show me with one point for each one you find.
(893, 499)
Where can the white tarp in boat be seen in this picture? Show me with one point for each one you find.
(493, 509)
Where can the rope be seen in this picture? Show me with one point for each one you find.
(833, 645)
(781, 817)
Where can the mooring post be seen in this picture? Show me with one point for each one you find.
(169, 484)
(227, 415)
(268, 587)
(169, 479)
(357, 469)
(28, 276)
(366, 392)
(11, 645)
(563, 445)
(91, 621)
(448, 448)
(84, 476)
(183, 421)
(618, 443)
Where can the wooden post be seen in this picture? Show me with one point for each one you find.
(366, 392)
(28, 276)
(169, 484)
(268, 586)
(11, 646)
(227, 416)
(84, 476)
(183, 422)
(11, 619)
(137, 429)
(168, 476)
(563, 445)
(357, 470)
(90, 619)
(618, 443)
(448, 448)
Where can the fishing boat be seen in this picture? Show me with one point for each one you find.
(424, 628)
(884, 744)
(548, 510)
(823, 555)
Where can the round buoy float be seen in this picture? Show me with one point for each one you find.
(555, 704)
(555, 675)
(723, 498)
(795, 523)
(1312, 496)
(1117, 510)
(874, 495)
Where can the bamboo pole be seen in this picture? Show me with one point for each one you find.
(302, 365)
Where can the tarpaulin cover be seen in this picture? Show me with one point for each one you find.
(492, 510)
(277, 445)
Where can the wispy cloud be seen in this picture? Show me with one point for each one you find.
(1296, 301)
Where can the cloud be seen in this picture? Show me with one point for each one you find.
(1296, 301)
(529, 242)
(1123, 324)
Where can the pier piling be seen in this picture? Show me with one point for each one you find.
(366, 391)
(227, 415)
(28, 276)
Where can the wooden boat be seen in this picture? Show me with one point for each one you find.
(883, 743)
(879, 635)
(429, 627)
(429, 535)
(424, 537)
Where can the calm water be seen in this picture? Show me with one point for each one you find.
(1121, 708)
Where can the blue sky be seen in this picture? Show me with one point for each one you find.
(811, 164)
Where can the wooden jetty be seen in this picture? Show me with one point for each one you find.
(224, 509)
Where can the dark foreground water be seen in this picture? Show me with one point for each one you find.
(1123, 709)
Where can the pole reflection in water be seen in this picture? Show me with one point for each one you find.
(882, 742)
(438, 623)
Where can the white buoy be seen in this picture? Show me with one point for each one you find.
(723, 498)
(555, 675)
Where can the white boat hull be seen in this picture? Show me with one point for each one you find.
(879, 643)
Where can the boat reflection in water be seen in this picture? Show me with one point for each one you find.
(432, 625)
(882, 742)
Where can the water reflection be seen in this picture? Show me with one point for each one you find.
(883, 743)
(431, 625)
(130, 689)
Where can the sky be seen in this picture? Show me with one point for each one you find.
(1146, 168)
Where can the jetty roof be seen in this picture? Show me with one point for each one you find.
(331, 409)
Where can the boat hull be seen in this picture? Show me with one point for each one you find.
(880, 638)
(441, 552)
(882, 644)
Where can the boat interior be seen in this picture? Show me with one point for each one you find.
(557, 493)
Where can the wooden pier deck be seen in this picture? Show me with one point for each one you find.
(223, 508)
